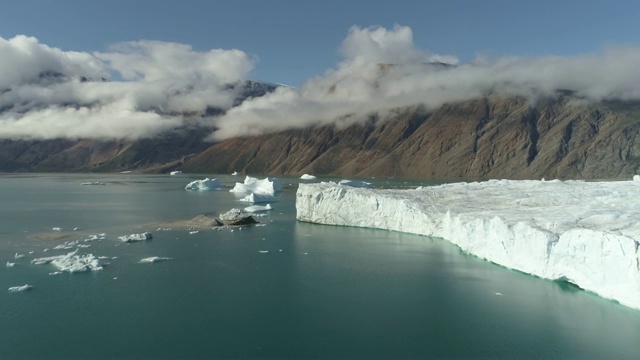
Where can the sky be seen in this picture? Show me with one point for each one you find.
(167, 57)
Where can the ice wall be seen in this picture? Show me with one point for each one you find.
(586, 233)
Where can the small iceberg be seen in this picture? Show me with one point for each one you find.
(154, 259)
(235, 173)
(356, 184)
(178, 172)
(72, 262)
(258, 208)
(136, 237)
(259, 198)
(56, 229)
(266, 186)
(307, 177)
(20, 288)
(93, 183)
(18, 256)
(10, 264)
(204, 185)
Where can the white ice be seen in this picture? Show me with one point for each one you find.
(258, 208)
(93, 183)
(586, 233)
(154, 259)
(356, 183)
(136, 237)
(259, 198)
(21, 288)
(176, 172)
(307, 177)
(204, 185)
(235, 173)
(10, 264)
(18, 256)
(72, 262)
(266, 186)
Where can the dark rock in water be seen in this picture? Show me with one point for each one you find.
(205, 221)
(240, 220)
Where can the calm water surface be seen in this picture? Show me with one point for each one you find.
(320, 291)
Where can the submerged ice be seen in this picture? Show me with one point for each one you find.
(586, 233)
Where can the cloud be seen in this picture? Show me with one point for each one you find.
(49, 93)
(383, 70)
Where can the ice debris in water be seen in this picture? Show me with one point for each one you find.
(235, 173)
(136, 237)
(57, 229)
(72, 262)
(18, 256)
(258, 208)
(203, 185)
(10, 264)
(232, 214)
(21, 288)
(356, 183)
(266, 186)
(154, 259)
(259, 198)
(93, 183)
(307, 177)
(177, 172)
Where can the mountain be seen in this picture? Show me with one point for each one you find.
(491, 137)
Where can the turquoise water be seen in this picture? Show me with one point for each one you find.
(320, 291)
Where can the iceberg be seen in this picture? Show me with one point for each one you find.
(259, 198)
(235, 173)
(258, 208)
(72, 262)
(18, 256)
(154, 259)
(586, 233)
(356, 183)
(21, 288)
(136, 237)
(307, 177)
(10, 264)
(204, 185)
(266, 186)
(178, 172)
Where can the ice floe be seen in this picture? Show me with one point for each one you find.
(259, 198)
(24, 287)
(72, 262)
(10, 264)
(153, 259)
(235, 173)
(56, 228)
(356, 183)
(18, 256)
(586, 233)
(178, 172)
(258, 208)
(307, 177)
(204, 185)
(136, 237)
(267, 186)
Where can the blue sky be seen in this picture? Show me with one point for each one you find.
(295, 40)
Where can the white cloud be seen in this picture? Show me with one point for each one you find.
(383, 70)
(43, 95)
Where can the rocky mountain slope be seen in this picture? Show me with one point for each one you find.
(492, 137)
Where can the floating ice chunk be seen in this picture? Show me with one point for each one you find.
(177, 172)
(204, 185)
(193, 232)
(259, 198)
(356, 183)
(266, 186)
(95, 237)
(10, 264)
(76, 228)
(263, 251)
(235, 173)
(57, 229)
(154, 259)
(55, 273)
(307, 177)
(636, 177)
(136, 237)
(21, 288)
(18, 256)
(93, 183)
(258, 208)
(72, 262)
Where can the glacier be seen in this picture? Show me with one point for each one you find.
(585, 233)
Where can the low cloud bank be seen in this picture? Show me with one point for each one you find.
(49, 93)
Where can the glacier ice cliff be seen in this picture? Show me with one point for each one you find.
(586, 233)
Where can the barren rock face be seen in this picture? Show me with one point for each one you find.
(492, 137)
